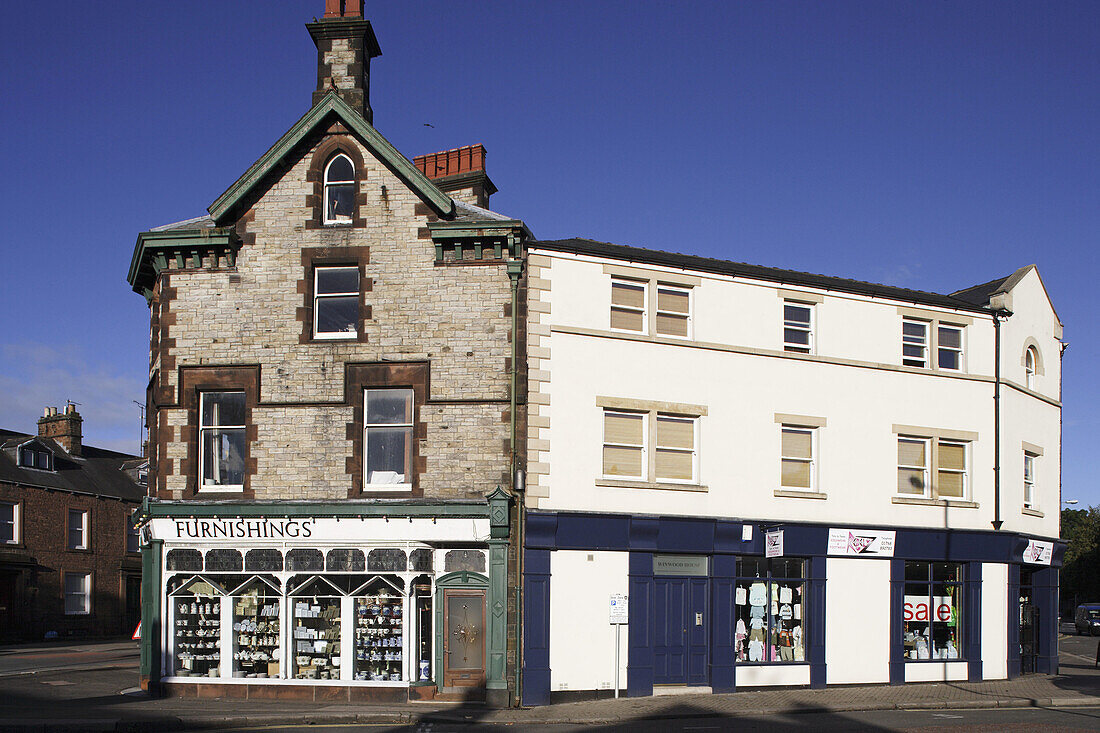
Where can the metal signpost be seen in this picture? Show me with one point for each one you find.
(618, 618)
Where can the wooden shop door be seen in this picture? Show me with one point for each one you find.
(463, 638)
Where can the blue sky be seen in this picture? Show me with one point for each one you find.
(931, 145)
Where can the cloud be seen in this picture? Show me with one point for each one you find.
(34, 375)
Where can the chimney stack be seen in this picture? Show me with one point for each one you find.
(63, 428)
(345, 45)
(459, 172)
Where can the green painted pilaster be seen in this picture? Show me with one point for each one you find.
(150, 615)
(496, 683)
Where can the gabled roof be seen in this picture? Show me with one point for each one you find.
(329, 108)
(96, 471)
(981, 294)
(758, 272)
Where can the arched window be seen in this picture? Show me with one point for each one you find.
(339, 190)
(1030, 359)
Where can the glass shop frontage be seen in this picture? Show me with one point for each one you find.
(387, 607)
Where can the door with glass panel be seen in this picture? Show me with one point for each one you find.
(463, 638)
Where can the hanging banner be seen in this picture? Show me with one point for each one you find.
(773, 543)
(1039, 553)
(862, 542)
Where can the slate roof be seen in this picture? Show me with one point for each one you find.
(97, 471)
(759, 272)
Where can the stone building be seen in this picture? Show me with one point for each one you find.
(331, 416)
(69, 561)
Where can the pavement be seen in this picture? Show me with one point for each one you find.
(84, 698)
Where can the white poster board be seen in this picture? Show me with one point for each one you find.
(619, 613)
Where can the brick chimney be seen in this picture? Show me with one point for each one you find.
(62, 427)
(345, 45)
(459, 172)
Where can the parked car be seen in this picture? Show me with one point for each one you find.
(1087, 619)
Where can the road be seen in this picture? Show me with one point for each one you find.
(18, 660)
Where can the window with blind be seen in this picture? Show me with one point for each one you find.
(798, 326)
(628, 305)
(918, 457)
(797, 459)
(949, 347)
(629, 435)
(624, 436)
(1029, 480)
(673, 311)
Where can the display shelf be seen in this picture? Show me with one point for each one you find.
(379, 639)
(197, 636)
(256, 641)
(315, 642)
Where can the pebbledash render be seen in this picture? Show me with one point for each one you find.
(331, 417)
(368, 392)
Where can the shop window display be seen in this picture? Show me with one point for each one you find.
(315, 644)
(379, 637)
(932, 611)
(197, 630)
(769, 611)
(256, 639)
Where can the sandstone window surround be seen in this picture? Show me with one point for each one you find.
(650, 444)
(334, 287)
(78, 594)
(77, 529)
(339, 190)
(654, 303)
(336, 302)
(222, 441)
(336, 171)
(388, 439)
(934, 466)
(194, 383)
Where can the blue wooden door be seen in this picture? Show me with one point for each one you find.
(680, 631)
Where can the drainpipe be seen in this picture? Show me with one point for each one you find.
(1001, 313)
(515, 271)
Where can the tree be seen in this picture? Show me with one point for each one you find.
(1081, 565)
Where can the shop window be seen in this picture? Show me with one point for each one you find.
(9, 523)
(469, 560)
(932, 611)
(224, 560)
(222, 440)
(315, 651)
(78, 594)
(335, 302)
(420, 560)
(379, 640)
(769, 602)
(183, 560)
(422, 597)
(196, 632)
(388, 437)
(256, 629)
(339, 190)
(798, 327)
(346, 561)
(387, 561)
(78, 529)
(303, 560)
(628, 305)
(263, 561)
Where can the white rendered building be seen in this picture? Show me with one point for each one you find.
(897, 452)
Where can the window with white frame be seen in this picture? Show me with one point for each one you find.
(949, 347)
(673, 310)
(797, 457)
(339, 190)
(1029, 480)
(798, 326)
(78, 529)
(222, 444)
(914, 343)
(947, 460)
(35, 456)
(9, 523)
(335, 302)
(675, 448)
(628, 305)
(387, 439)
(78, 593)
(624, 444)
(1030, 360)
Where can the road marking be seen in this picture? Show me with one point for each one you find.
(945, 715)
(1071, 654)
(57, 683)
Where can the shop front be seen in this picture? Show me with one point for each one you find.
(354, 602)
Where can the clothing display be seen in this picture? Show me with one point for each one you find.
(770, 611)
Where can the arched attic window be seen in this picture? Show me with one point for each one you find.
(1031, 358)
(339, 190)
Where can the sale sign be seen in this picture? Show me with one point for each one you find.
(923, 608)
